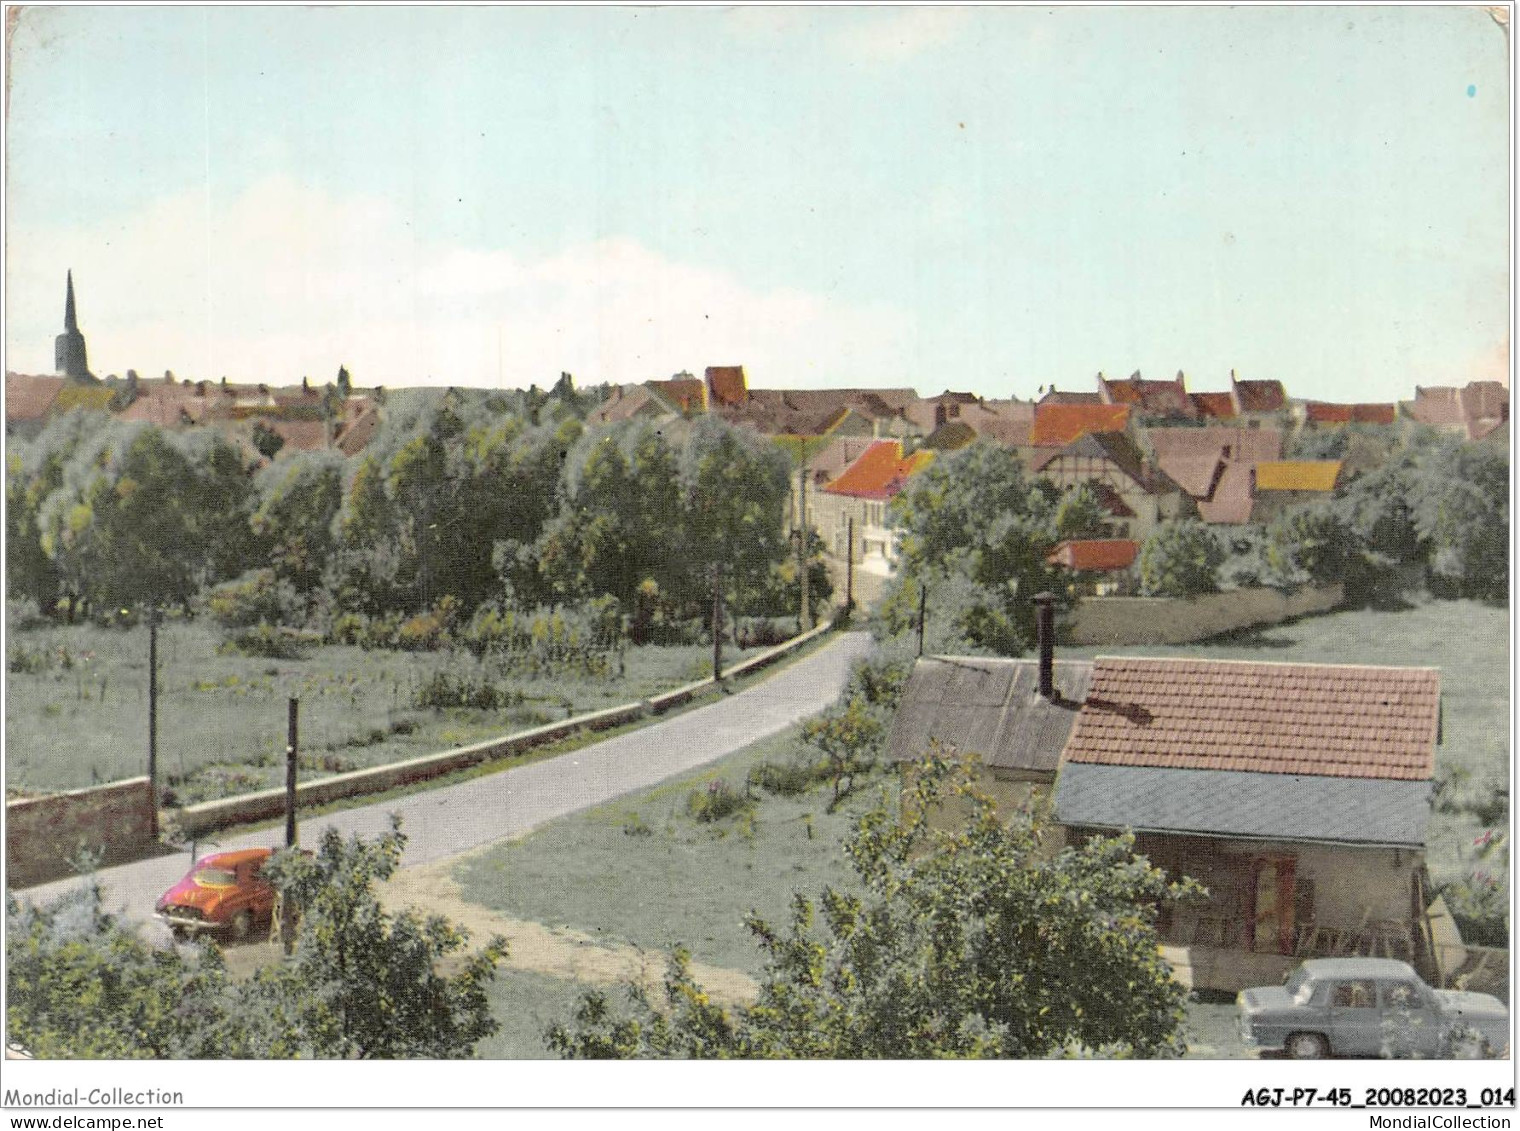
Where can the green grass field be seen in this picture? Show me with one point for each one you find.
(80, 715)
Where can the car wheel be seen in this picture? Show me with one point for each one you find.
(1307, 1046)
(242, 925)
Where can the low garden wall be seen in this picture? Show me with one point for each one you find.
(45, 835)
(1182, 620)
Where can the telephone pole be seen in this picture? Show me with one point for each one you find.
(717, 620)
(153, 718)
(805, 616)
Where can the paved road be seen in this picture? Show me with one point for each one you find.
(452, 819)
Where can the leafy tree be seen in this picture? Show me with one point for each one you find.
(1079, 514)
(975, 940)
(1459, 502)
(298, 500)
(266, 441)
(1311, 544)
(849, 737)
(362, 982)
(345, 381)
(1180, 559)
(147, 516)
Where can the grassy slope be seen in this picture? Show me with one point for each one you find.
(67, 728)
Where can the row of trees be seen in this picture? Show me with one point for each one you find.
(470, 497)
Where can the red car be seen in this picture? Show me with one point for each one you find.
(222, 892)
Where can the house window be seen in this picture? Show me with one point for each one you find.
(1360, 994)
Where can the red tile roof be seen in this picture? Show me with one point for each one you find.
(880, 473)
(1213, 406)
(1318, 412)
(1323, 719)
(726, 384)
(1059, 424)
(1095, 554)
(29, 396)
(1259, 396)
(1152, 398)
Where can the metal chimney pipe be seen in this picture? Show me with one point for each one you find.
(1045, 634)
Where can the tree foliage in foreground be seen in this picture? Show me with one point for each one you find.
(977, 940)
(362, 983)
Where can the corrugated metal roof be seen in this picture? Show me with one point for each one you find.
(990, 707)
(1229, 803)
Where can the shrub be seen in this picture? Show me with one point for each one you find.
(763, 632)
(788, 779)
(580, 640)
(449, 689)
(1480, 905)
(422, 633)
(267, 641)
(717, 801)
(1180, 559)
(256, 597)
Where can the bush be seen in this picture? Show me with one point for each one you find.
(788, 779)
(446, 689)
(1180, 559)
(267, 641)
(717, 801)
(580, 640)
(1480, 906)
(256, 597)
(423, 633)
(763, 632)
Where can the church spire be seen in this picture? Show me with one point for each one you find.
(69, 356)
(70, 322)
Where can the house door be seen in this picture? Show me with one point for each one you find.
(1273, 906)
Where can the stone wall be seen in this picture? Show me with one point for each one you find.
(43, 835)
(1181, 620)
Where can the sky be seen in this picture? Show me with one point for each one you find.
(993, 199)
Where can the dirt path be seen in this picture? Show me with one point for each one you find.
(430, 889)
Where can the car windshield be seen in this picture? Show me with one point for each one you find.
(1300, 988)
(215, 877)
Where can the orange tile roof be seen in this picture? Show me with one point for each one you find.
(1297, 475)
(880, 472)
(1259, 396)
(1095, 554)
(1321, 413)
(683, 394)
(1058, 424)
(1322, 719)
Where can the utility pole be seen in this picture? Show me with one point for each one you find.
(805, 616)
(923, 600)
(153, 718)
(292, 744)
(717, 621)
(849, 565)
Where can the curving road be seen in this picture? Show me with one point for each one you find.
(453, 819)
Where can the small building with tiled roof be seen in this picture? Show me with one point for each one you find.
(1277, 485)
(1055, 425)
(1213, 406)
(1258, 401)
(1136, 496)
(1473, 412)
(861, 495)
(1150, 399)
(1213, 465)
(726, 386)
(1298, 794)
(1100, 566)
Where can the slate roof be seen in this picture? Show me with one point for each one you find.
(1297, 475)
(1058, 424)
(880, 473)
(1319, 412)
(1099, 555)
(1054, 397)
(1320, 719)
(29, 396)
(991, 707)
(1358, 811)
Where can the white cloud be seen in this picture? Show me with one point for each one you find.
(903, 33)
(286, 280)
